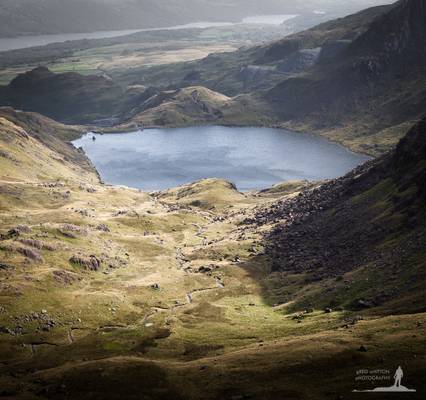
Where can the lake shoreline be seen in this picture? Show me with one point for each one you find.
(40, 40)
(161, 158)
(116, 130)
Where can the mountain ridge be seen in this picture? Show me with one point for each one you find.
(331, 79)
(326, 80)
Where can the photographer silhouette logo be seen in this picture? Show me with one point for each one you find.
(396, 387)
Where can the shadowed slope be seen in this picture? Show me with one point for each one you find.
(69, 97)
(375, 82)
(358, 241)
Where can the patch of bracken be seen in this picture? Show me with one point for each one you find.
(38, 244)
(32, 254)
(90, 263)
(103, 228)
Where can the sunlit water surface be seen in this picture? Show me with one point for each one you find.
(252, 158)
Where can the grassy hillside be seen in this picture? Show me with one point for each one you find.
(194, 105)
(202, 291)
(188, 106)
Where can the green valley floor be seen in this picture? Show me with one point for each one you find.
(109, 292)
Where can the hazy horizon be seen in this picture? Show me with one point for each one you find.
(31, 17)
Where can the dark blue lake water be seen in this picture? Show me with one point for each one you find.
(252, 158)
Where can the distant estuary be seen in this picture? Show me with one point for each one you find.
(252, 158)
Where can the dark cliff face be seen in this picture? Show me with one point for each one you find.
(366, 77)
(398, 35)
(328, 33)
(412, 148)
(408, 162)
(394, 46)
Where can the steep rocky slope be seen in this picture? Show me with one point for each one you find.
(351, 233)
(372, 83)
(40, 141)
(326, 34)
(252, 68)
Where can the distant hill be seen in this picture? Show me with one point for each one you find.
(358, 80)
(68, 97)
(20, 17)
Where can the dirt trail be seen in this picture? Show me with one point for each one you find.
(70, 336)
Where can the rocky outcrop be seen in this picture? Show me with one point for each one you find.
(399, 35)
(90, 263)
(299, 61)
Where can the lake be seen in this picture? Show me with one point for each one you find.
(268, 19)
(252, 158)
(23, 42)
